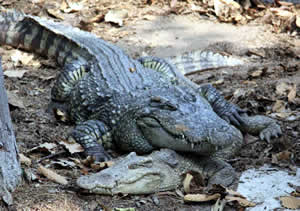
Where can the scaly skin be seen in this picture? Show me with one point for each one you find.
(160, 171)
(139, 105)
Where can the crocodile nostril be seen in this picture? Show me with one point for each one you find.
(106, 176)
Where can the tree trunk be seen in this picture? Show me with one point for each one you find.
(10, 170)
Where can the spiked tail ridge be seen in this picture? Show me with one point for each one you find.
(198, 60)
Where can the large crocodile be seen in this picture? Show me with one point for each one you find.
(139, 105)
(160, 171)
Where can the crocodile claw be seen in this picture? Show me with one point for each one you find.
(98, 154)
(233, 115)
(272, 131)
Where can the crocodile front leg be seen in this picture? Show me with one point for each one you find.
(92, 135)
(227, 111)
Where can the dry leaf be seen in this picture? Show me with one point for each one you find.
(281, 12)
(73, 7)
(88, 161)
(14, 73)
(201, 197)
(173, 3)
(46, 78)
(102, 165)
(54, 13)
(234, 193)
(228, 10)
(285, 155)
(239, 93)
(45, 147)
(116, 16)
(64, 5)
(298, 21)
(24, 160)
(257, 73)
(63, 163)
(282, 88)
(290, 202)
(292, 93)
(96, 19)
(187, 182)
(243, 202)
(19, 57)
(77, 162)
(71, 145)
(282, 115)
(179, 193)
(279, 106)
(51, 175)
(149, 17)
(14, 99)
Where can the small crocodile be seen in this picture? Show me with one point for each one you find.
(136, 104)
(159, 171)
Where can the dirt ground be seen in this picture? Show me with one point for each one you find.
(270, 85)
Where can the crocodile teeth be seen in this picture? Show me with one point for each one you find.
(192, 144)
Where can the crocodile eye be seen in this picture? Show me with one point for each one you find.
(162, 103)
(143, 164)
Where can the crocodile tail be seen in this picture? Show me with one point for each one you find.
(8, 22)
(198, 60)
(36, 35)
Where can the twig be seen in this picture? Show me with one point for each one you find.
(51, 156)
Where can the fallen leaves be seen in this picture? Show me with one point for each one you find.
(116, 16)
(285, 18)
(228, 11)
(45, 147)
(14, 73)
(221, 195)
(280, 156)
(290, 202)
(72, 147)
(14, 99)
(21, 58)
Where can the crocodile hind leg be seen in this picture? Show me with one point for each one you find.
(68, 78)
(66, 81)
(160, 65)
(93, 135)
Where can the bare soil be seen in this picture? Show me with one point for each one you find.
(253, 87)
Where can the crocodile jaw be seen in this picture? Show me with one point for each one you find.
(104, 183)
(131, 175)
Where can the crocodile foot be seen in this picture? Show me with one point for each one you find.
(97, 153)
(272, 131)
(232, 114)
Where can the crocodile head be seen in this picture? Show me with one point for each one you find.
(135, 175)
(178, 120)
